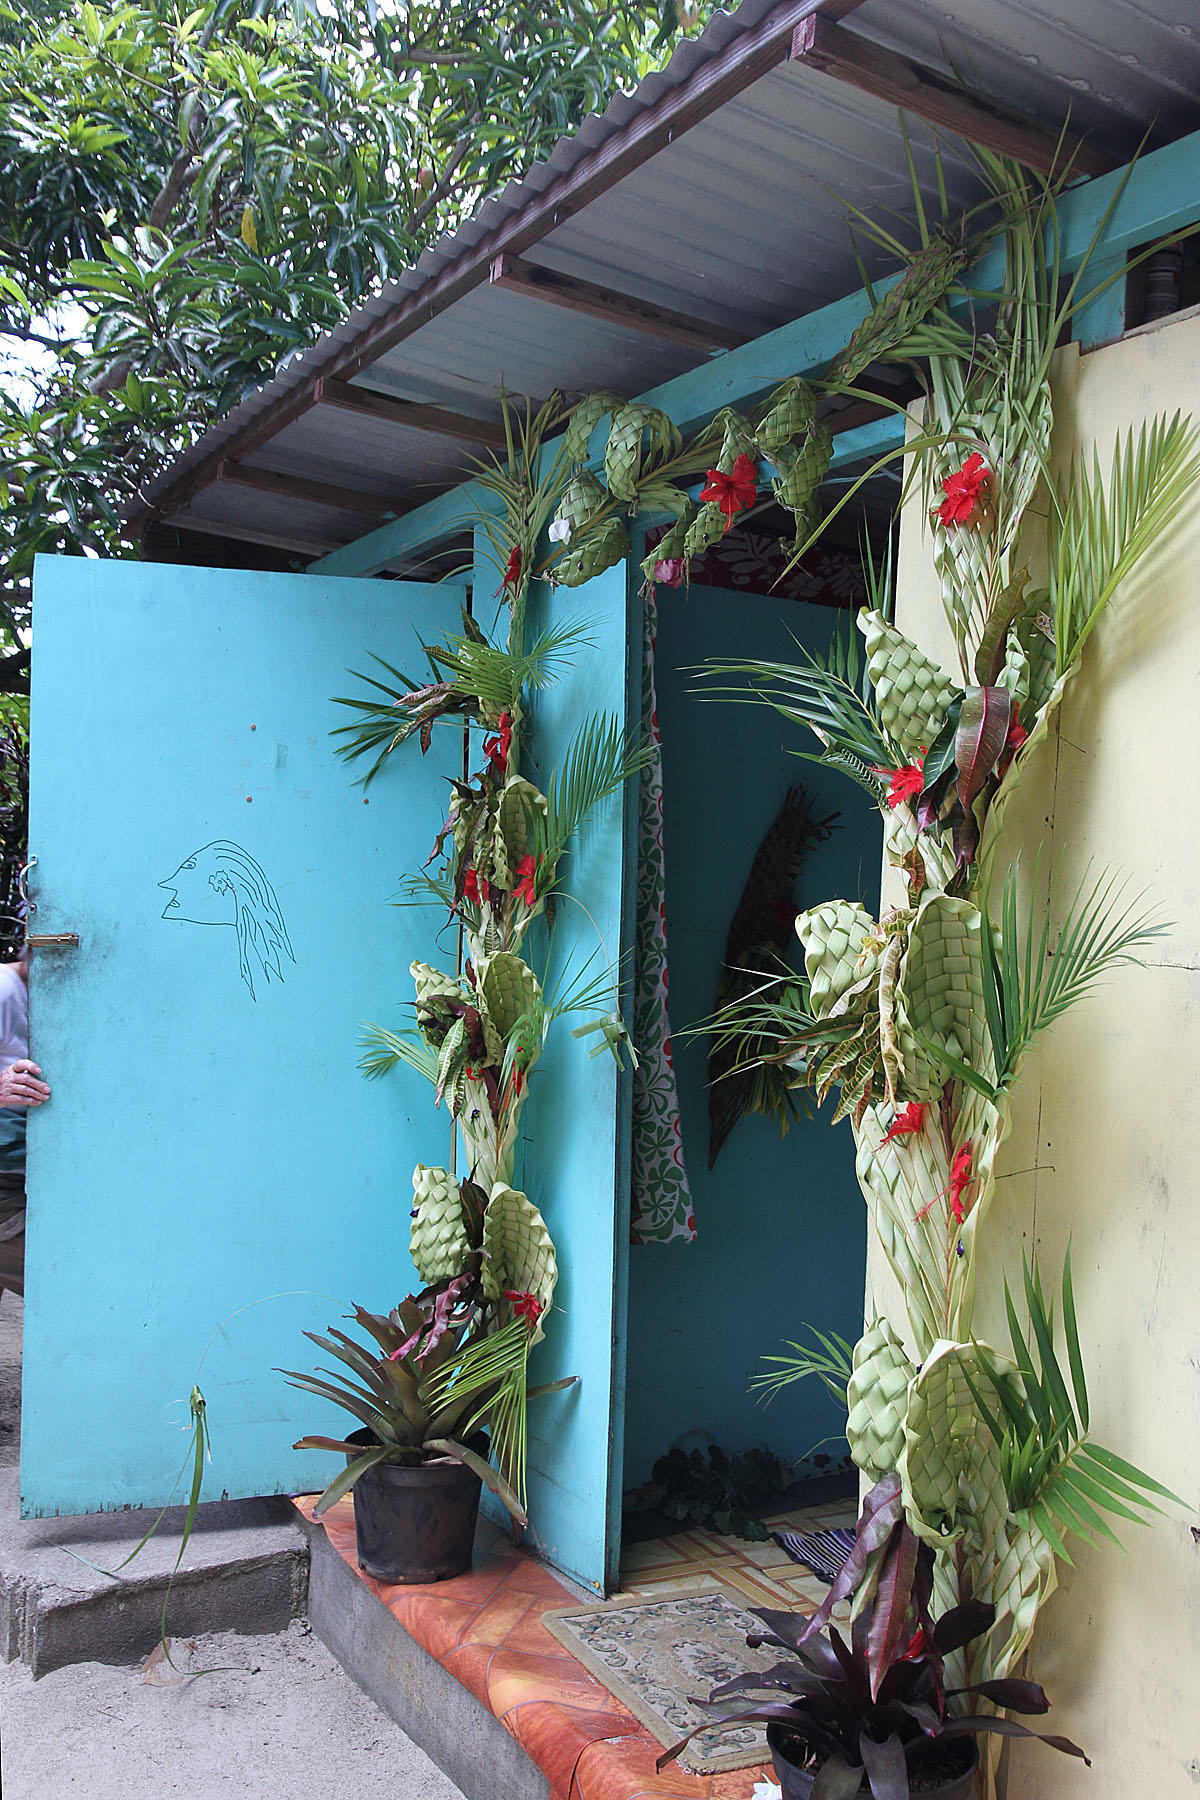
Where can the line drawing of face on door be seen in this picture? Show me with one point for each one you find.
(222, 884)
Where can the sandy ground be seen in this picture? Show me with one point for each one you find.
(281, 1721)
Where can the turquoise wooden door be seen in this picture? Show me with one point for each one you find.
(576, 1138)
(212, 1174)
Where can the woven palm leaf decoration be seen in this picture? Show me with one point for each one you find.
(518, 1253)
(478, 1244)
(438, 1241)
(921, 1018)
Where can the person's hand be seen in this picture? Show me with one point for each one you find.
(19, 1085)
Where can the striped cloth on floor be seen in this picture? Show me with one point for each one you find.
(823, 1552)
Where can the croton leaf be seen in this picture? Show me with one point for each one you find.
(892, 1604)
(983, 726)
(993, 641)
(882, 1508)
(939, 767)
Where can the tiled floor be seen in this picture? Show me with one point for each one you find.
(486, 1628)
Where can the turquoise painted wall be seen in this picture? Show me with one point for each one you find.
(782, 1229)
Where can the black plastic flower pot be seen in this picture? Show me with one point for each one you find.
(415, 1522)
(797, 1783)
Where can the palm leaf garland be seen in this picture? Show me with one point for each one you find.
(921, 1021)
(759, 933)
(463, 1342)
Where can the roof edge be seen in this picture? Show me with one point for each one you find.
(731, 70)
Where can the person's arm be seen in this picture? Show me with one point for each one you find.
(19, 1085)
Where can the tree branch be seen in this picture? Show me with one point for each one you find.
(443, 185)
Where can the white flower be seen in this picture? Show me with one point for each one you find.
(766, 1790)
(560, 531)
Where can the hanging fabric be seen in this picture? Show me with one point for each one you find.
(661, 1200)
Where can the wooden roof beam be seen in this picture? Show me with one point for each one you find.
(939, 99)
(368, 403)
(516, 276)
(299, 487)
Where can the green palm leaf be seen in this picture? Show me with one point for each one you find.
(597, 764)
(1099, 532)
(383, 1050)
(1028, 984)
(831, 696)
(829, 1358)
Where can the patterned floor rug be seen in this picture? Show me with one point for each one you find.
(654, 1651)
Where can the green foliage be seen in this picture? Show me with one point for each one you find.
(598, 763)
(828, 1358)
(187, 196)
(722, 1490)
(1039, 1422)
(1029, 982)
(1099, 532)
(426, 1385)
(830, 695)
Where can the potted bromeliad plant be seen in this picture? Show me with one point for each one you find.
(868, 1714)
(442, 1377)
(450, 1361)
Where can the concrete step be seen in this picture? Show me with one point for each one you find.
(245, 1570)
(452, 1727)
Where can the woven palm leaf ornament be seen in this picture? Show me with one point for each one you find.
(481, 1245)
(918, 1022)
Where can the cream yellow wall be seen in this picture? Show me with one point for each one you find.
(1106, 1142)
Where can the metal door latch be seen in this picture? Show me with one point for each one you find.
(53, 940)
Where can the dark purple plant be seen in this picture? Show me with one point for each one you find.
(873, 1709)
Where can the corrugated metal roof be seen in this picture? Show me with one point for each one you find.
(737, 221)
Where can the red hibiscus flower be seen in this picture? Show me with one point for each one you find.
(473, 888)
(512, 573)
(905, 1123)
(1017, 736)
(733, 491)
(527, 873)
(960, 1180)
(525, 1305)
(497, 748)
(903, 784)
(963, 490)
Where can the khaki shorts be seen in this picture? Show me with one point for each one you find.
(12, 1232)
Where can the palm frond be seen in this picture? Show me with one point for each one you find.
(826, 694)
(1028, 984)
(490, 1373)
(1039, 1421)
(598, 763)
(1100, 531)
(493, 678)
(382, 725)
(383, 1050)
(829, 1358)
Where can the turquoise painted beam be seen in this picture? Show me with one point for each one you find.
(1160, 194)
(409, 537)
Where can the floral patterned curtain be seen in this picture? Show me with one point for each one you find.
(662, 1203)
